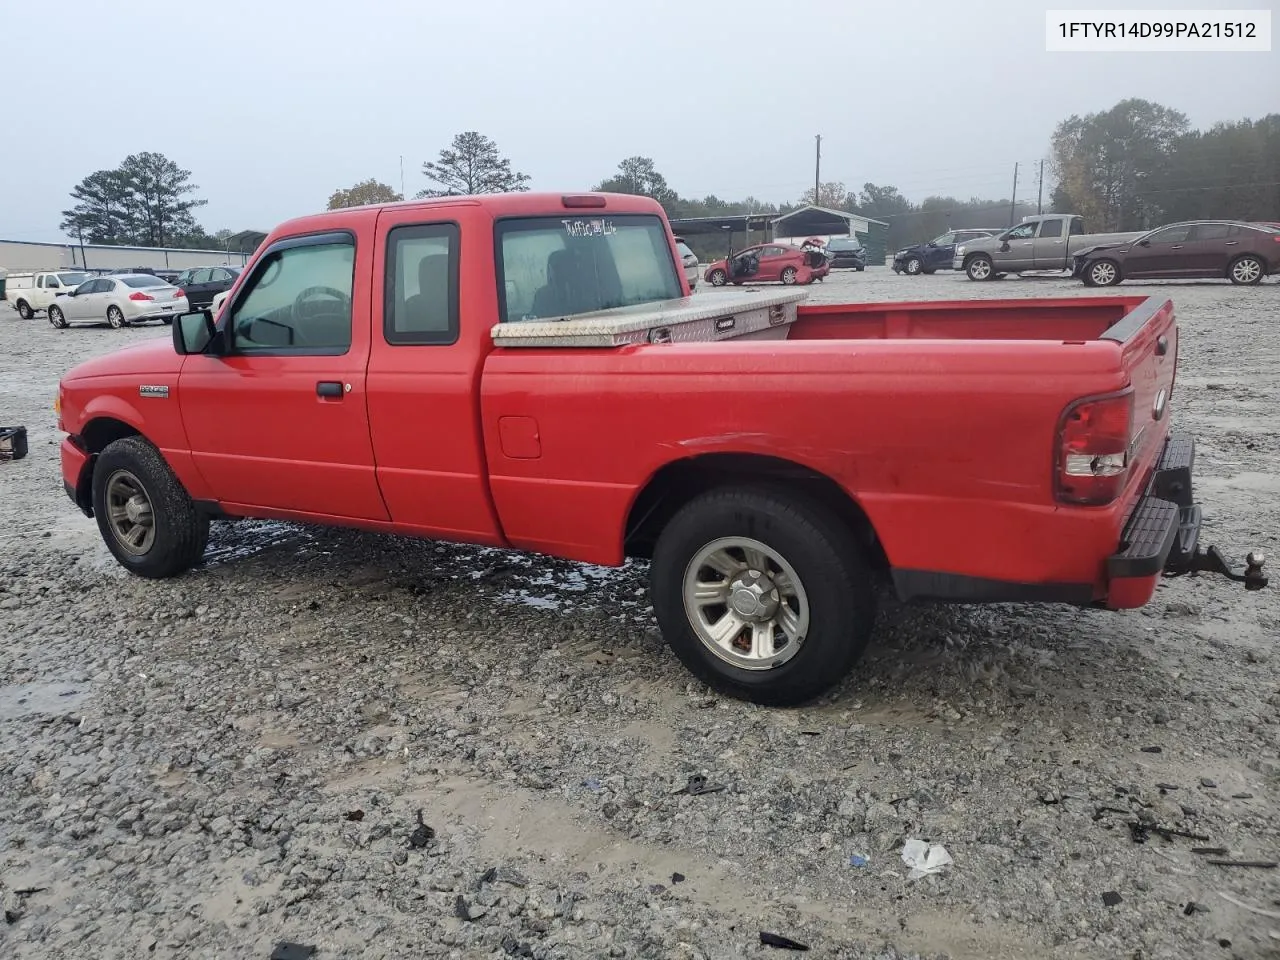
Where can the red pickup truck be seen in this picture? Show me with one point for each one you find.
(529, 371)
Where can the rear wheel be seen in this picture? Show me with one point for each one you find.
(788, 276)
(1102, 273)
(717, 278)
(762, 594)
(144, 514)
(1247, 270)
(115, 317)
(979, 268)
(56, 318)
(24, 310)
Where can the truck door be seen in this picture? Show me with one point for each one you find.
(424, 370)
(1051, 244)
(1020, 254)
(279, 422)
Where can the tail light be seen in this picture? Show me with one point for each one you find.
(179, 293)
(583, 200)
(1093, 448)
(139, 295)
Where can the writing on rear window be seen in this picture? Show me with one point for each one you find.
(589, 228)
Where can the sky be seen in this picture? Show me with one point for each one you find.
(274, 104)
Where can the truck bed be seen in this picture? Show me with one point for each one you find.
(1072, 319)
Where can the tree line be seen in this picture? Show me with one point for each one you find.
(1134, 166)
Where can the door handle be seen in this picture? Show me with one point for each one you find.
(1230, 243)
(1176, 246)
(329, 388)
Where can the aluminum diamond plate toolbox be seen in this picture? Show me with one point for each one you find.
(711, 316)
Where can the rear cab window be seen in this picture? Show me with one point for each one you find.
(551, 267)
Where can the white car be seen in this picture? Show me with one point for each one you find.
(689, 260)
(120, 300)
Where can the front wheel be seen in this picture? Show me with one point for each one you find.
(145, 516)
(788, 276)
(979, 268)
(717, 278)
(763, 595)
(914, 266)
(1247, 270)
(1103, 273)
(56, 318)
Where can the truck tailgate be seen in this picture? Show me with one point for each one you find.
(1148, 336)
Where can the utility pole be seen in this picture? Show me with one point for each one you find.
(1040, 192)
(402, 196)
(1013, 202)
(80, 237)
(817, 169)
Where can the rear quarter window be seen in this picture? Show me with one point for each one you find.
(552, 267)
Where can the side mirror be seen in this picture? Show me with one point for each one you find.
(1144, 243)
(195, 333)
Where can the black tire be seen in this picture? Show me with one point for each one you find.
(717, 278)
(859, 269)
(1247, 270)
(979, 268)
(913, 266)
(1103, 272)
(788, 276)
(115, 317)
(24, 310)
(929, 271)
(168, 321)
(836, 579)
(181, 532)
(57, 319)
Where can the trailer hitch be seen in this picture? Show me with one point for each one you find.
(1212, 561)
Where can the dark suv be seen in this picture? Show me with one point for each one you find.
(846, 252)
(937, 253)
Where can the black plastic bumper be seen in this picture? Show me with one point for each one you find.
(1163, 532)
(1164, 529)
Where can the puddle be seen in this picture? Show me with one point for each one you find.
(51, 698)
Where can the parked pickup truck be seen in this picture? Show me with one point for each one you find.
(1038, 244)
(528, 371)
(31, 292)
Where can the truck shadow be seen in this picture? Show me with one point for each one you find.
(996, 658)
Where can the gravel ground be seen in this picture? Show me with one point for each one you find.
(206, 766)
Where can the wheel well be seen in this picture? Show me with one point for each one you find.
(677, 483)
(101, 431)
(1236, 259)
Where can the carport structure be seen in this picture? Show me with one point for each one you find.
(814, 221)
(716, 236)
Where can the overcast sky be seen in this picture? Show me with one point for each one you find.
(272, 104)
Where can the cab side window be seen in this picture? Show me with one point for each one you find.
(1050, 229)
(421, 295)
(298, 300)
(1024, 232)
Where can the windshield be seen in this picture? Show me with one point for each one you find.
(553, 267)
(141, 281)
(72, 279)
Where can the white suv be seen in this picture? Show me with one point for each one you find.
(690, 261)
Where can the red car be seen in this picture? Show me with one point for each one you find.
(769, 263)
(528, 371)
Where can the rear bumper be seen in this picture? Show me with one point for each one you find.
(1160, 536)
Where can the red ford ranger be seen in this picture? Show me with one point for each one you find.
(529, 371)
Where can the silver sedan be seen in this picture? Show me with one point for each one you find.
(120, 300)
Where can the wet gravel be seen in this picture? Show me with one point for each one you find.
(208, 766)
